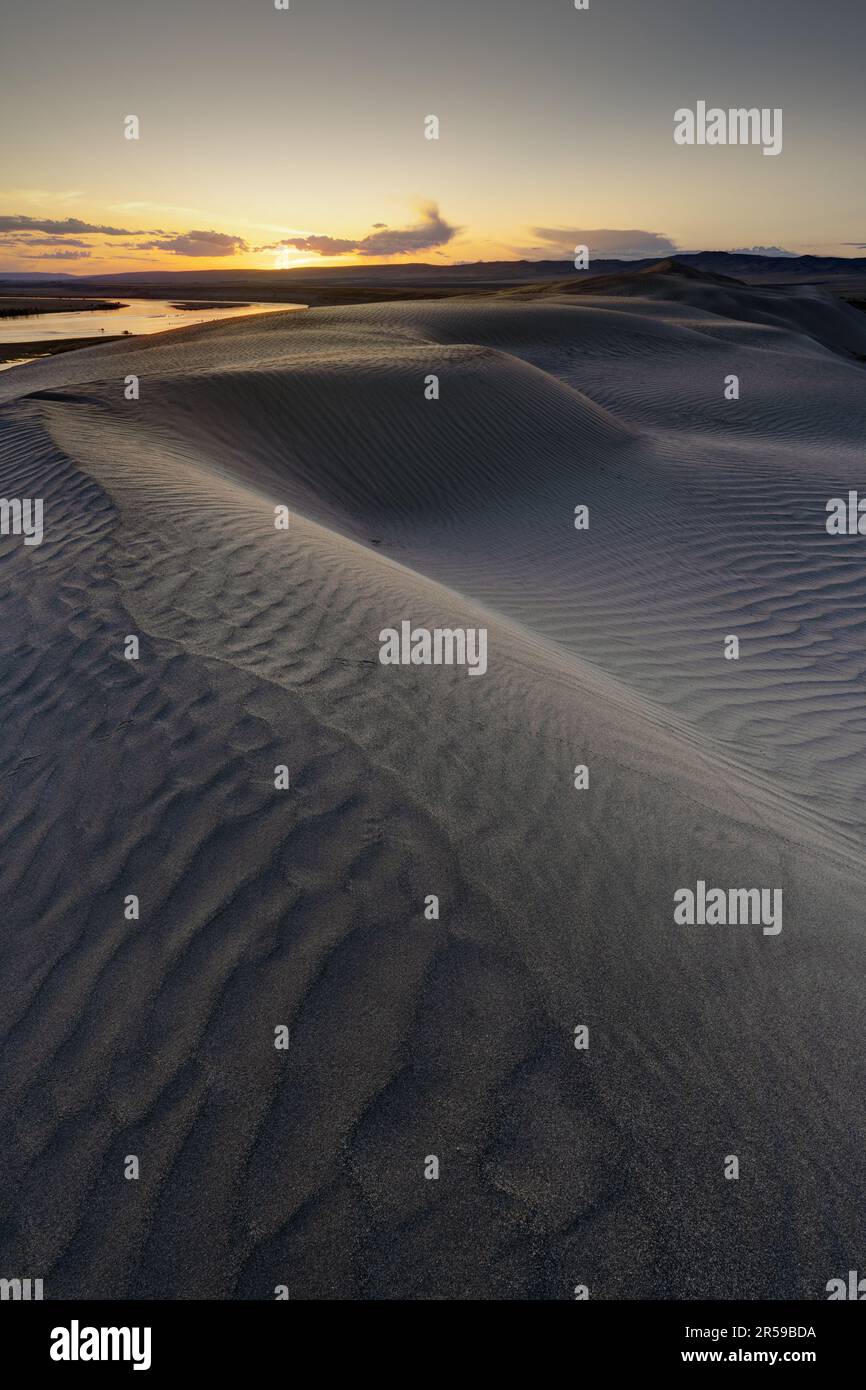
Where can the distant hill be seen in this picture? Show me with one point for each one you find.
(641, 281)
(19, 277)
(300, 283)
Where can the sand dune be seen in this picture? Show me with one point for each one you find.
(305, 907)
(800, 310)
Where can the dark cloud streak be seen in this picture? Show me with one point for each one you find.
(430, 232)
(631, 243)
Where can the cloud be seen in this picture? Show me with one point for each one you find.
(201, 244)
(138, 245)
(193, 243)
(431, 231)
(14, 238)
(631, 244)
(760, 251)
(41, 195)
(190, 244)
(321, 245)
(68, 226)
(860, 245)
(148, 205)
(55, 255)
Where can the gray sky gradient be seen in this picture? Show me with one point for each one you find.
(263, 125)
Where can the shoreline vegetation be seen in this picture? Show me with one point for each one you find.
(28, 350)
(18, 306)
(211, 304)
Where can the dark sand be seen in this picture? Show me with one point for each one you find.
(48, 347)
(304, 907)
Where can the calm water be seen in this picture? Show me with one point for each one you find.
(136, 316)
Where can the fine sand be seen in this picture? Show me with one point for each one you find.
(411, 1038)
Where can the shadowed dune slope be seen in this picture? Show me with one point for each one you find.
(805, 309)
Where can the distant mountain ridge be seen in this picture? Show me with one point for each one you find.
(733, 264)
(26, 277)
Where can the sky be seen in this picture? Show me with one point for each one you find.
(290, 137)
